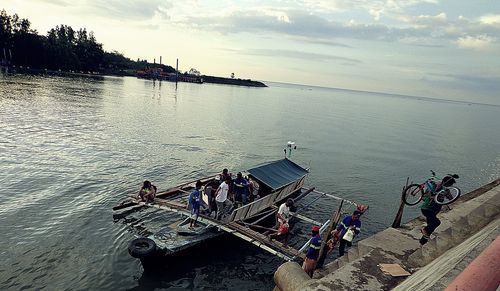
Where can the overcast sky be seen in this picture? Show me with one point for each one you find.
(437, 48)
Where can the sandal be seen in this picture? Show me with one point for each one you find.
(424, 233)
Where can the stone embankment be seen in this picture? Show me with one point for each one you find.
(466, 229)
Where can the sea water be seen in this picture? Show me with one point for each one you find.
(73, 147)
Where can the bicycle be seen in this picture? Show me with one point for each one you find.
(441, 191)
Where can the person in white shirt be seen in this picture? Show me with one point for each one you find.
(223, 204)
(284, 211)
(283, 216)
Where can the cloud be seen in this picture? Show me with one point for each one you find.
(426, 20)
(296, 23)
(128, 9)
(491, 19)
(321, 41)
(431, 30)
(376, 8)
(299, 55)
(475, 42)
(57, 2)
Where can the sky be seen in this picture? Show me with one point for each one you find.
(436, 48)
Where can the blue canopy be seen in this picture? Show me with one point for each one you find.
(279, 173)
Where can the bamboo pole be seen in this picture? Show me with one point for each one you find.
(302, 195)
(333, 222)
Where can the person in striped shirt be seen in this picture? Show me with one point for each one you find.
(312, 254)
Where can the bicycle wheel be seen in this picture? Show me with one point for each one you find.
(447, 196)
(412, 194)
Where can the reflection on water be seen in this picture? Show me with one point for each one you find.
(71, 148)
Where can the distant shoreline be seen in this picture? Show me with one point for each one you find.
(230, 81)
(206, 79)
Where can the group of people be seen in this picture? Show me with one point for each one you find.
(224, 193)
(351, 226)
(342, 235)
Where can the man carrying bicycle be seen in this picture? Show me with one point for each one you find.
(429, 209)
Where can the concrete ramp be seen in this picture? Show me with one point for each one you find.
(359, 270)
(440, 272)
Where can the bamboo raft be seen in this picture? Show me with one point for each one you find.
(245, 222)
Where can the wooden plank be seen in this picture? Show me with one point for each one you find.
(234, 228)
(395, 270)
(265, 240)
(302, 217)
(170, 202)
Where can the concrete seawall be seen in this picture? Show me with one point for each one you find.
(469, 225)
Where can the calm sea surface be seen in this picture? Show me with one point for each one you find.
(72, 148)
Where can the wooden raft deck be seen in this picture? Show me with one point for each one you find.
(234, 228)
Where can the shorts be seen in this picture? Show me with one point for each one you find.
(283, 228)
(309, 266)
(195, 212)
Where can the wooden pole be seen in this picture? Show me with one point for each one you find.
(176, 72)
(333, 222)
(397, 220)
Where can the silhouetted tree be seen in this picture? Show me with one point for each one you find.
(62, 48)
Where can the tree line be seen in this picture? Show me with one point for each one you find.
(63, 48)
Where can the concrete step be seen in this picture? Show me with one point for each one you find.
(444, 241)
(353, 254)
(350, 257)
(440, 272)
(333, 266)
(344, 260)
(401, 246)
(491, 210)
(476, 218)
(415, 257)
(462, 229)
(466, 224)
(429, 252)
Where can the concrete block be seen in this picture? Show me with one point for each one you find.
(353, 254)
(332, 267)
(491, 210)
(415, 259)
(364, 248)
(495, 199)
(398, 241)
(342, 261)
(429, 251)
(447, 232)
(477, 219)
(461, 233)
(461, 229)
(444, 242)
